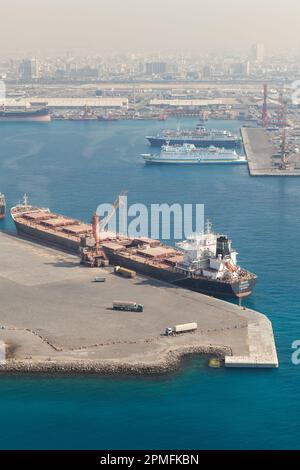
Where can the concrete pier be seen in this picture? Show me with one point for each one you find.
(54, 318)
(259, 150)
(262, 350)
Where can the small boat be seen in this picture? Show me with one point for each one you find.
(2, 206)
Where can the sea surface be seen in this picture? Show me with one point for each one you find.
(72, 167)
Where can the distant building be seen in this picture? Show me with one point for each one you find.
(207, 72)
(192, 75)
(156, 68)
(241, 69)
(141, 67)
(84, 73)
(93, 102)
(29, 69)
(258, 53)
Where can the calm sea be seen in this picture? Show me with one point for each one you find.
(73, 167)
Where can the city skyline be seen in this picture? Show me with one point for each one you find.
(103, 26)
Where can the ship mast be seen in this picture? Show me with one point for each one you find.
(25, 200)
(208, 227)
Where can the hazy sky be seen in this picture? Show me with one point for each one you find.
(54, 26)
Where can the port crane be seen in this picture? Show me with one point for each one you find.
(265, 115)
(284, 150)
(91, 252)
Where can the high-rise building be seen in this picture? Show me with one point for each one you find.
(240, 68)
(35, 68)
(156, 68)
(258, 53)
(29, 69)
(207, 72)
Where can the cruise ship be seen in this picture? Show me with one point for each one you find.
(2, 206)
(24, 115)
(200, 137)
(190, 154)
(204, 263)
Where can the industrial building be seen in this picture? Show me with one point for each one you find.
(55, 103)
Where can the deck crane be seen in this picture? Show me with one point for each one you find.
(118, 203)
(91, 252)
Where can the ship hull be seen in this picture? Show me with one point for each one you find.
(25, 119)
(222, 143)
(193, 161)
(142, 268)
(38, 115)
(205, 286)
(48, 238)
(238, 289)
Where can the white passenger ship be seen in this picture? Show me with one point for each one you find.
(190, 154)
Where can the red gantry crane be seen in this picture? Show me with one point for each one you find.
(91, 251)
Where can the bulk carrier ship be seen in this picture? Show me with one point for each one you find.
(24, 115)
(200, 137)
(40, 224)
(205, 263)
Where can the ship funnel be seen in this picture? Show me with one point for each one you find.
(223, 248)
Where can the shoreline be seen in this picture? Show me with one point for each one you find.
(172, 361)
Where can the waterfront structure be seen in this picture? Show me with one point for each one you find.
(56, 103)
(51, 336)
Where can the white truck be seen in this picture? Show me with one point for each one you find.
(183, 328)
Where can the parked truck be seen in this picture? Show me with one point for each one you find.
(129, 273)
(99, 279)
(184, 328)
(128, 306)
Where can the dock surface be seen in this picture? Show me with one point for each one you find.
(259, 150)
(53, 317)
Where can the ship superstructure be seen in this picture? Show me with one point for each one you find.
(190, 154)
(204, 263)
(210, 256)
(200, 137)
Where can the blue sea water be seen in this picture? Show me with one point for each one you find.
(71, 167)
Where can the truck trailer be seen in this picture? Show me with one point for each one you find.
(128, 306)
(183, 328)
(129, 273)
